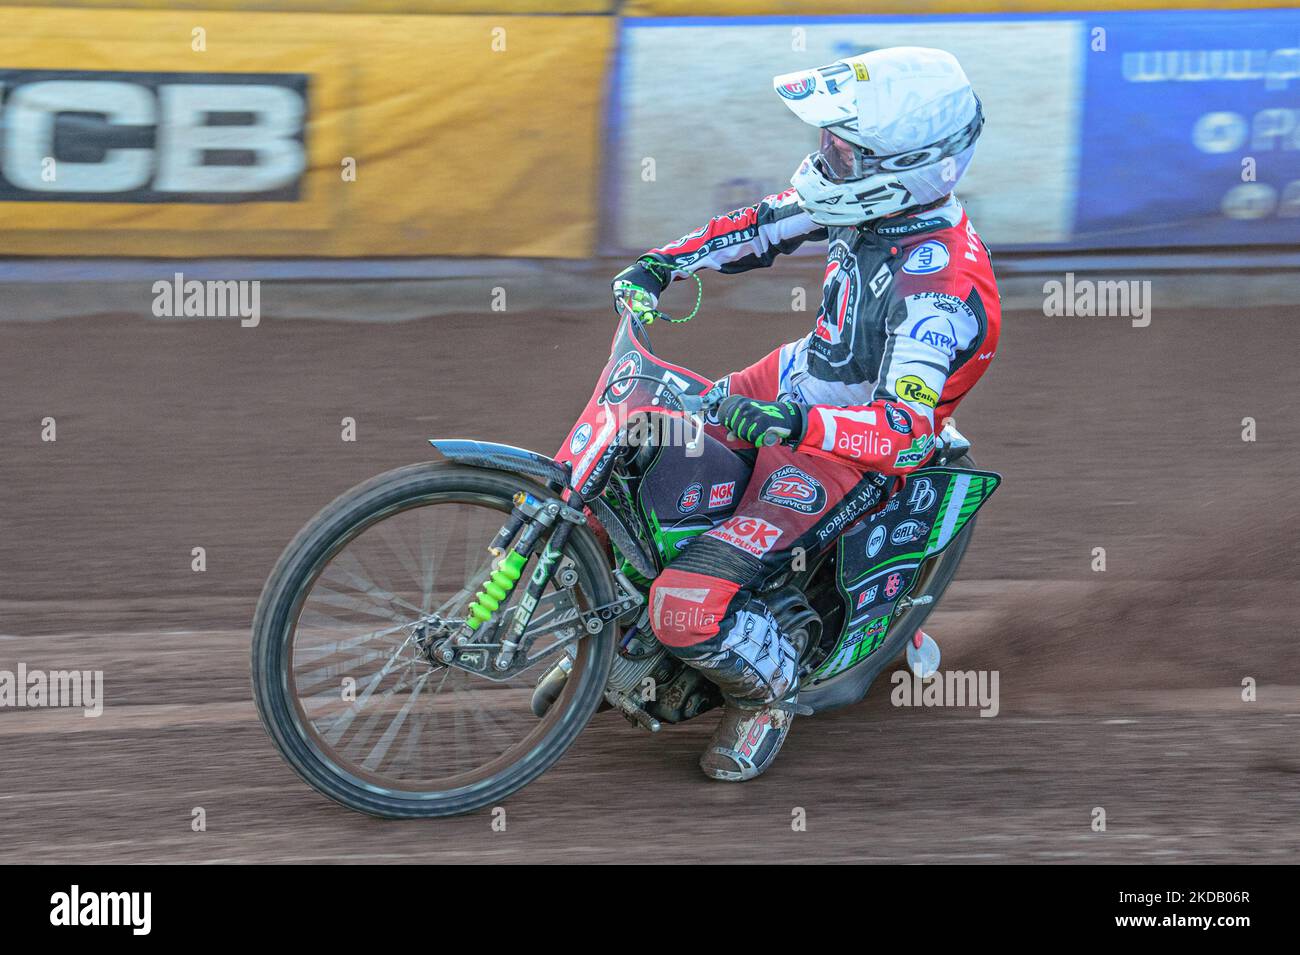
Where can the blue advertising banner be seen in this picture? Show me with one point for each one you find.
(1190, 131)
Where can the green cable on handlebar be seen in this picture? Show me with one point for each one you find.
(664, 275)
(699, 297)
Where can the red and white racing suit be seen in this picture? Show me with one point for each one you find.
(908, 322)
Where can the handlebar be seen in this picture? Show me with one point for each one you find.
(621, 304)
(697, 406)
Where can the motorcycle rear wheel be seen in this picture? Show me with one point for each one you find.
(401, 748)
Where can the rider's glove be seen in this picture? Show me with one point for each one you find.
(638, 287)
(762, 422)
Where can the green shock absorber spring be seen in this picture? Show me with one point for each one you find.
(496, 589)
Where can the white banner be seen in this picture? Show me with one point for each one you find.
(702, 132)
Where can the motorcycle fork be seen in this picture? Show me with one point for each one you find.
(516, 542)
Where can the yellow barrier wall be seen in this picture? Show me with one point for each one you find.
(460, 149)
(435, 7)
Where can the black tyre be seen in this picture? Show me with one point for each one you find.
(341, 681)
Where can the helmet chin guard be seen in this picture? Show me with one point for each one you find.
(898, 125)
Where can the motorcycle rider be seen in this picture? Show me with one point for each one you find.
(908, 322)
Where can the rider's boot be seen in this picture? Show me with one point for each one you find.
(747, 740)
(756, 667)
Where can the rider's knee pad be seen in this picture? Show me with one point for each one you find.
(702, 613)
(748, 657)
(736, 643)
(686, 608)
(690, 598)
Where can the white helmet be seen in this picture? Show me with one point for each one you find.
(898, 130)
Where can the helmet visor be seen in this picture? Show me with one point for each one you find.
(838, 159)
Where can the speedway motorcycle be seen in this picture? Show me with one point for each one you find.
(438, 636)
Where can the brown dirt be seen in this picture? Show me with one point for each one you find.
(1119, 689)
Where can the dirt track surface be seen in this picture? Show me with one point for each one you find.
(1118, 690)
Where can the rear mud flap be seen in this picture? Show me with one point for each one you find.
(879, 558)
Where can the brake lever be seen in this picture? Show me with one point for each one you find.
(698, 407)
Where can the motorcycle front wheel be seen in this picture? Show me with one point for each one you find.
(342, 676)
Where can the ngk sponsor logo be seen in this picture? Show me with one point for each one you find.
(720, 495)
(750, 534)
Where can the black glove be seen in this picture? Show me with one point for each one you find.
(639, 286)
(762, 423)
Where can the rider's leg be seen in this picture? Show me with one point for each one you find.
(702, 615)
(704, 609)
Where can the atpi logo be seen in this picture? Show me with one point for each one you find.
(795, 490)
(876, 540)
(927, 258)
(580, 438)
(937, 332)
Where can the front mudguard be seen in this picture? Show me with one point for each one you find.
(504, 457)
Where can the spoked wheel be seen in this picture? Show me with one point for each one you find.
(344, 673)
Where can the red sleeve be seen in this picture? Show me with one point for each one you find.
(885, 435)
(748, 238)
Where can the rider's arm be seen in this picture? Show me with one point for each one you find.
(748, 238)
(894, 432)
